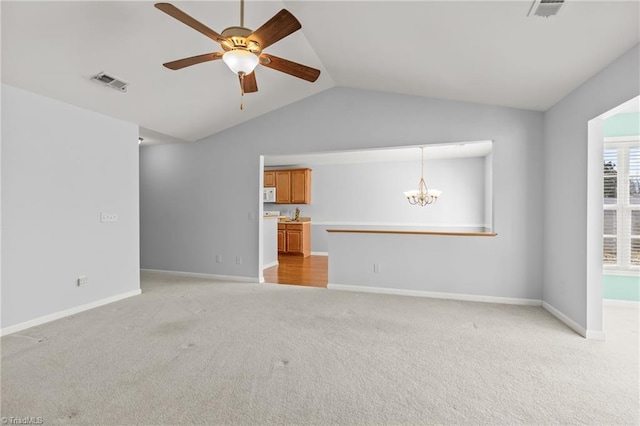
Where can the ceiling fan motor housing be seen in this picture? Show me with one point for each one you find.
(236, 38)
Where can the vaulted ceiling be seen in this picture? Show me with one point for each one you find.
(475, 51)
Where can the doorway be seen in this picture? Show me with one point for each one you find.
(612, 243)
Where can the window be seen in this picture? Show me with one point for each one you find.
(621, 239)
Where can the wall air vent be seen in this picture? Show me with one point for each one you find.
(110, 81)
(545, 8)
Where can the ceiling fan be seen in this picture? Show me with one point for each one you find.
(243, 48)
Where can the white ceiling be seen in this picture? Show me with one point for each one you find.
(409, 153)
(476, 51)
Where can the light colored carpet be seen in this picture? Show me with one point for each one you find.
(196, 351)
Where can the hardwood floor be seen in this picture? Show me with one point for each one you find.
(310, 271)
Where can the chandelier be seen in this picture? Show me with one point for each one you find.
(422, 196)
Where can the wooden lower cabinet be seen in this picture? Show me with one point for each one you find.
(294, 241)
(294, 238)
(282, 242)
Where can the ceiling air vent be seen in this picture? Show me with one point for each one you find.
(110, 81)
(545, 8)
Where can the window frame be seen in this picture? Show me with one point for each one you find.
(623, 208)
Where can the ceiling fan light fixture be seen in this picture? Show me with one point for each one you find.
(240, 61)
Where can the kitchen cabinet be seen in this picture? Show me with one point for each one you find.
(283, 187)
(300, 186)
(269, 179)
(294, 238)
(293, 186)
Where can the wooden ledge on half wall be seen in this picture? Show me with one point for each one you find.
(456, 234)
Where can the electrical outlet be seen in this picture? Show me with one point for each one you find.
(239, 260)
(376, 268)
(82, 280)
(218, 258)
(108, 217)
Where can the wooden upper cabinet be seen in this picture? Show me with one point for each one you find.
(283, 187)
(269, 179)
(301, 186)
(293, 186)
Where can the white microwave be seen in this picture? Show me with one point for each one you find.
(269, 195)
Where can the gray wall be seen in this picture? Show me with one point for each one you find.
(357, 196)
(566, 258)
(201, 199)
(456, 265)
(61, 167)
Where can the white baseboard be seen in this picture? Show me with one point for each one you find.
(67, 312)
(589, 334)
(621, 303)
(234, 278)
(270, 265)
(595, 335)
(436, 295)
(319, 253)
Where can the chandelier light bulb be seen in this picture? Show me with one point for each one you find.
(240, 61)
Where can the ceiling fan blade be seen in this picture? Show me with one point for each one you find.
(187, 62)
(176, 13)
(250, 83)
(281, 25)
(289, 67)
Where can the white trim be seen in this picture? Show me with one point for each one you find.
(403, 224)
(234, 278)
(622, 139)
(565, 319)
(588, 334)
(437, 295)
(595, 335)
(270, 265)
(621, 303)
(319, 253)
(67, 312)
(620, 272)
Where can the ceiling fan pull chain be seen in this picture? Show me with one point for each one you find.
(241, 75)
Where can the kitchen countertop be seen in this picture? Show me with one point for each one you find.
(286, 219)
